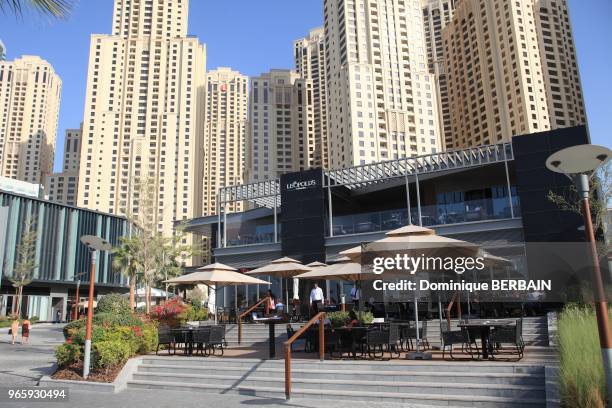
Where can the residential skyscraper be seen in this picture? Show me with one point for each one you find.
(436, 15)
(309, 55)
(280, 121)
(144, 114)
(29, 107)
(511, 69)
(225, 137)
(382, 100)
(62, 187)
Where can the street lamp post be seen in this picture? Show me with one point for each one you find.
(577, 162)
(94, 244)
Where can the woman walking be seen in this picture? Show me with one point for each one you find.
(25, 331)
(15, 329)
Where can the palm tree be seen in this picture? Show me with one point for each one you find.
(125, 259)
(54, 8)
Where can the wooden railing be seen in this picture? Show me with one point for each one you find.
(320, 317)
(245, 313)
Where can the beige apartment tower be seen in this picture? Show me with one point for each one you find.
(224, 142)
(382, 101)
(29, 108)
(436, 15)
(309, 55)
(144, 114)
(280, 124)
(63, 187)
(511, 69)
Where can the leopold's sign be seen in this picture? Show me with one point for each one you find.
(301, 185)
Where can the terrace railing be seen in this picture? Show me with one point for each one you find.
(246, 313)
(320, 317)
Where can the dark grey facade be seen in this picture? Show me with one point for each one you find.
(61, 259)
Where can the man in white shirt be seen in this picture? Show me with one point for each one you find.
(316, 299)
(355, 295)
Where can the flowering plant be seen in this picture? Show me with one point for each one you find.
(168, 311)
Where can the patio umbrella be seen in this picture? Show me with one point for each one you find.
(281, 268)
(414, 238)
(216, 276)
(421, 240)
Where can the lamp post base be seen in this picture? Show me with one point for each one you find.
(86, 358)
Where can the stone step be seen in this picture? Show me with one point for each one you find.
(358, 395)
(349, 365)
(387, 373)
(374, 385)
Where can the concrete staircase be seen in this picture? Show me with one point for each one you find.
(482, 384)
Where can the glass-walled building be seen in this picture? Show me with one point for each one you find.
(62, 261)
(494, 196)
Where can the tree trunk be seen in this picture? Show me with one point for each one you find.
(132, 290)
(147, 299)
(18, 311)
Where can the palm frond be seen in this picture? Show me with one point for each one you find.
(54, 8)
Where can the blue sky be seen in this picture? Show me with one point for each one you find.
(253, 36)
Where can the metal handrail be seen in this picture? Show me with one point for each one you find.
(246, 312)
(321, 318)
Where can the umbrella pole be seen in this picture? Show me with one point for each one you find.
(418, 354)
(416, 320)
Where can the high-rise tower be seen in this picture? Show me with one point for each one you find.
(382, 101)
(309, 55)
(144, 114)
(29, 108)
(511, 69)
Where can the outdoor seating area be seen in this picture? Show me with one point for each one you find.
(205, 340)
(471, 340)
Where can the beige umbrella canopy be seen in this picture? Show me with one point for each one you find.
(346, 269)
(216, 276)
(413, 238)
(281, 268)
(315, 264)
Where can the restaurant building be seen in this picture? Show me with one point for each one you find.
(494, 196)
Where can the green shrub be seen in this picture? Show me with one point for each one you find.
(114, 303)
(73, 327)
(149, 339)
(110, 319)
(192, 314)
(67, 354)
(366, 317)
(110, 354)
(581, 375)
(34, 319)
(338, 319)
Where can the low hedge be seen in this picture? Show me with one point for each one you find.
(114, 303)
(67, 354)
(109, 354)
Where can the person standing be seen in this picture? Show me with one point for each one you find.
(355, 295)
(25, 331)
(270, 304)
(316, 299)
(15, 329)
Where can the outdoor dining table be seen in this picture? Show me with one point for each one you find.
(485, 327)
(352, 335)
(271, 322)
(187, 335)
